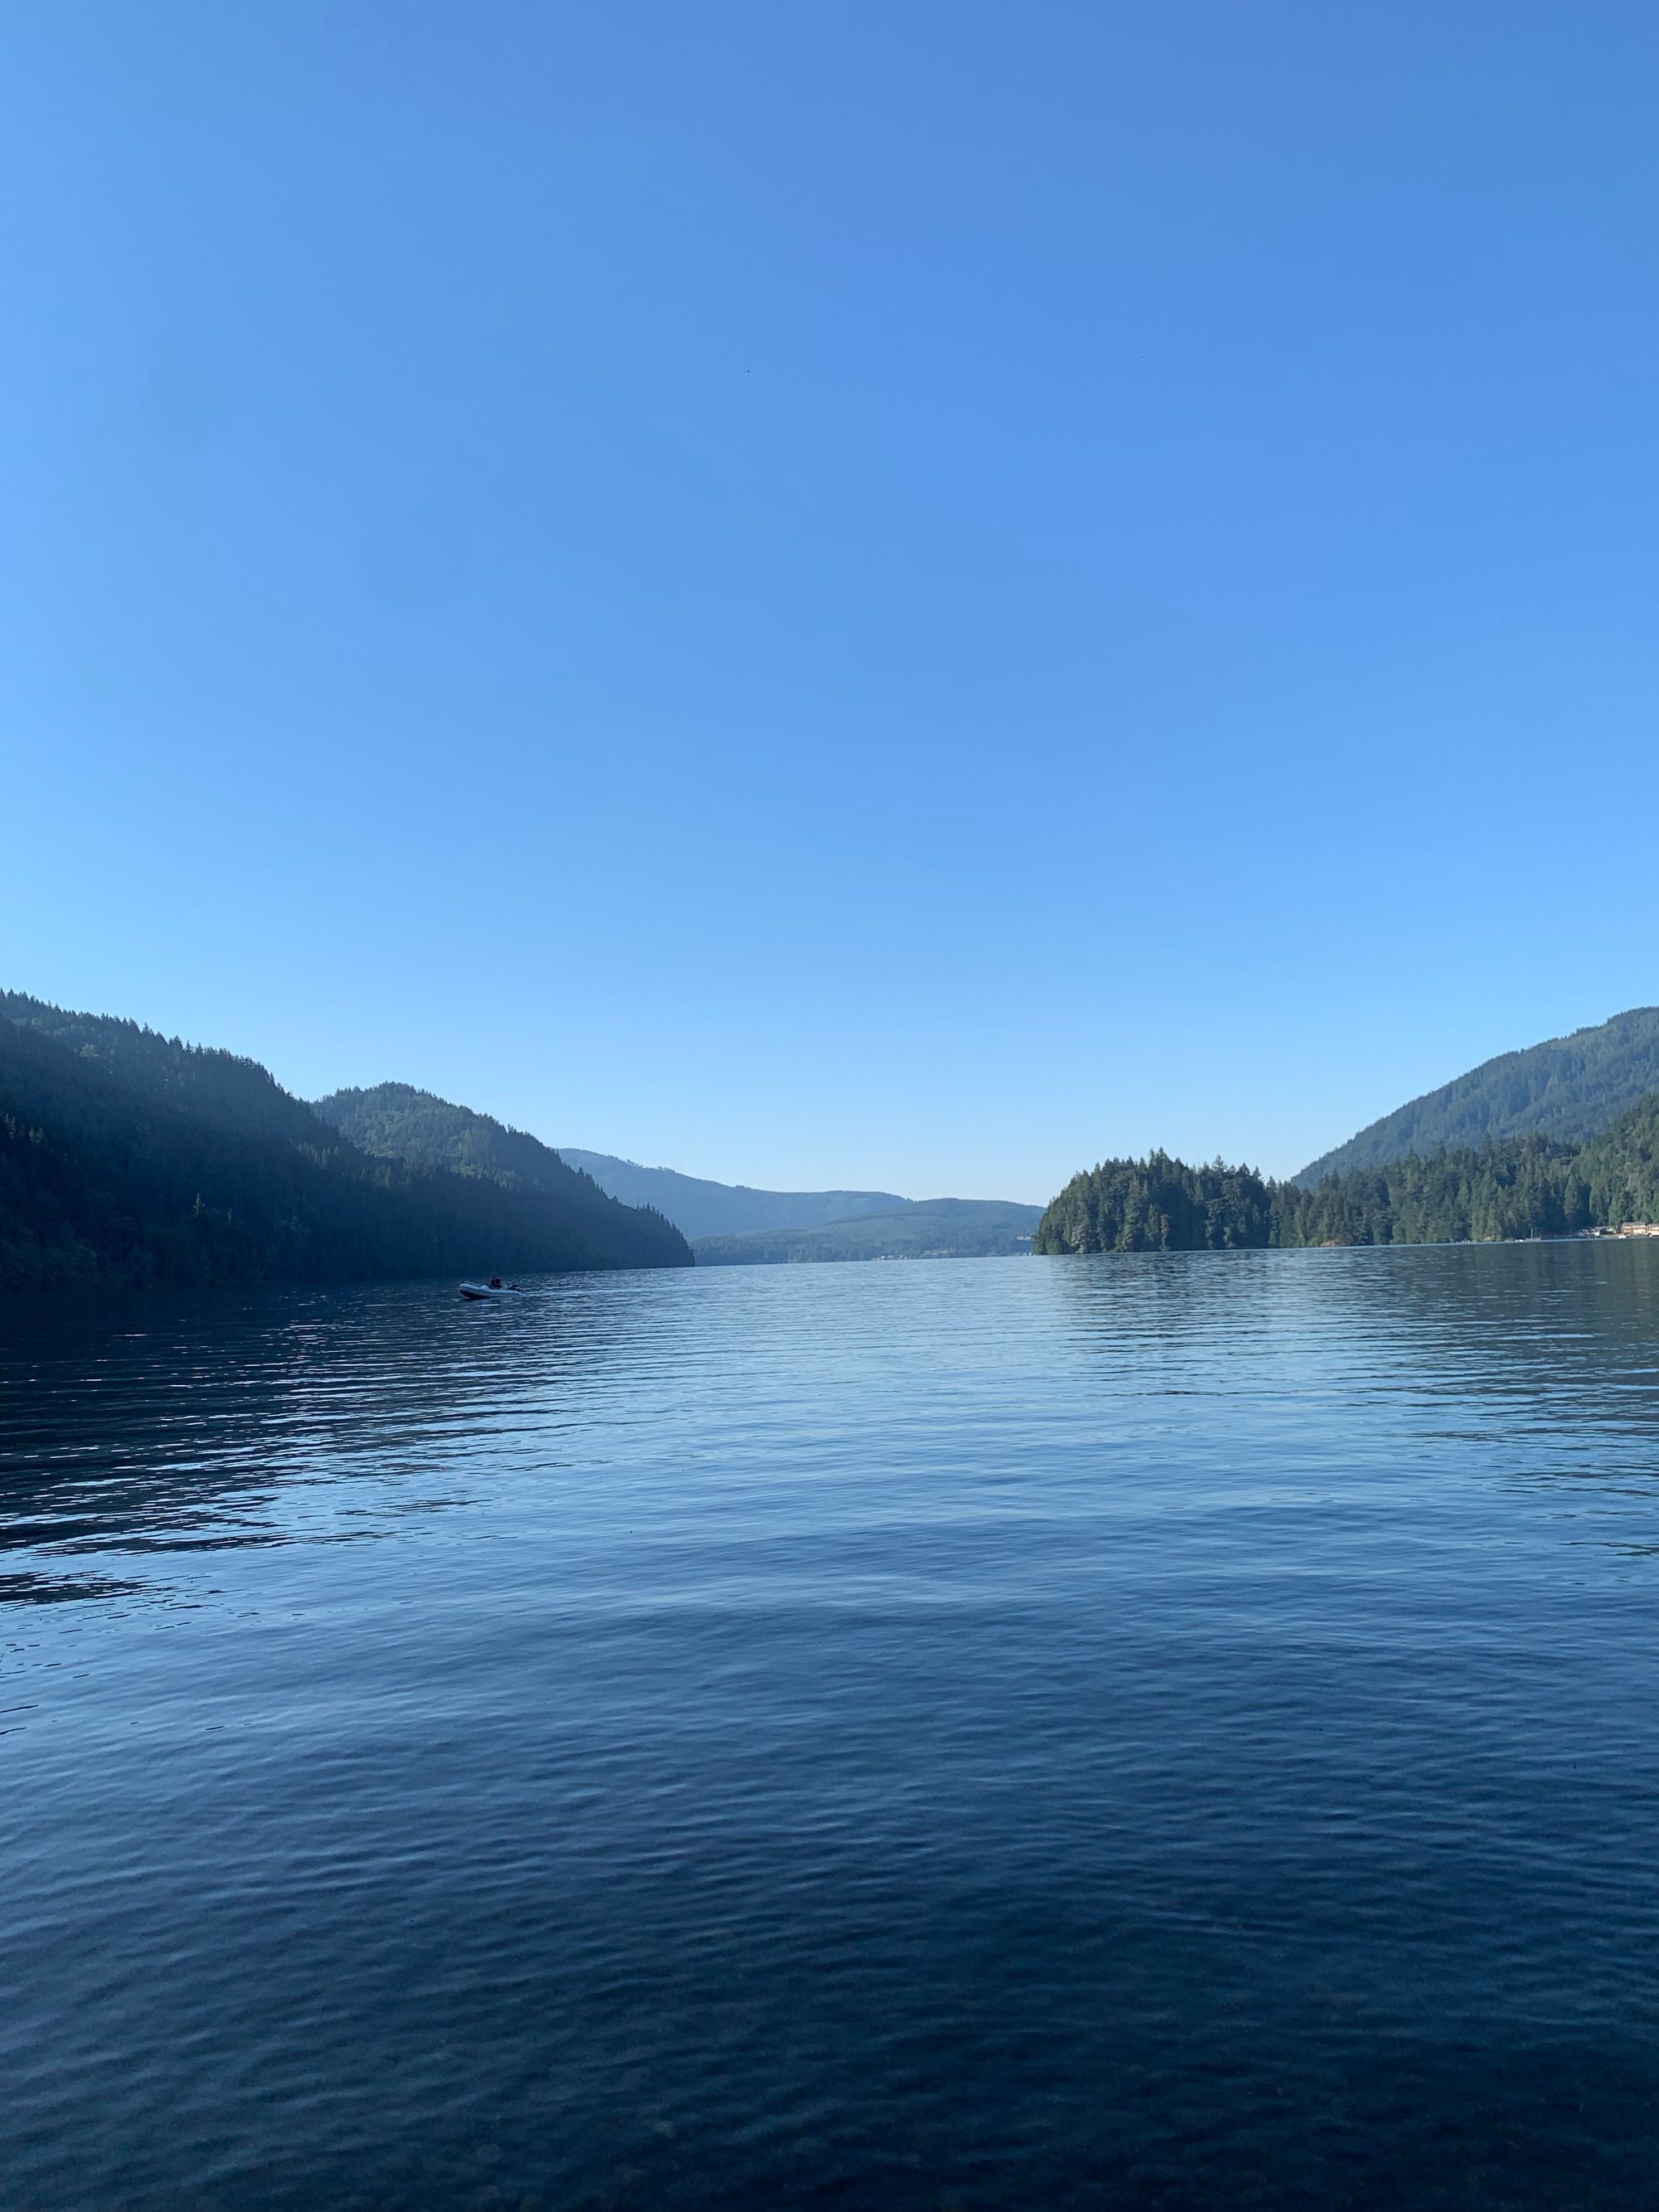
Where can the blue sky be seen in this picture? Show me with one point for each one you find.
(906, 594)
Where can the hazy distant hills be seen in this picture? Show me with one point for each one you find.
(721, 1209)
(129, 1159)
(730, 1225)
(924, 1229)
(1568, 1089)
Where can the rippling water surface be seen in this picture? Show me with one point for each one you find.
(1167, 1732)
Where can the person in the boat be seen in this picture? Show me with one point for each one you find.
(495, 1282)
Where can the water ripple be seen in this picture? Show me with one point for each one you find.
(1176, 1731)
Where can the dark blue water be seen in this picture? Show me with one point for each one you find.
(1171, 1732)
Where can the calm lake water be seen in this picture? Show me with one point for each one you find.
(1170, 1732)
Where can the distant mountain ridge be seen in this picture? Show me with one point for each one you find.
(701, 1208)
(924, 1229)
(1567, 1089)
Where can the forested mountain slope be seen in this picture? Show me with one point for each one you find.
(701, 1208)
(1566, 1089)
(1620, 1168)
(128, 1159)
(938, 1228)
(1508, 1187)
(395, 1121)
(100, 1190)
(199, 1080)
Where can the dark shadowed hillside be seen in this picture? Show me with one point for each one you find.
(128, 1159)
(198, 1080)
(101, 1190)
(1566, 1089)
(395, 1121)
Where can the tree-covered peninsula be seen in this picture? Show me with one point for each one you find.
(1510, 1187)
(1158, 1205)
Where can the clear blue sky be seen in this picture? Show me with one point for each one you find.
(902, 594)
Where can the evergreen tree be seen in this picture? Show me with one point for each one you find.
(1515, 1187)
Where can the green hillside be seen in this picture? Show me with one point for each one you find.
(931, 1229)
(1566, 1089)
(1620, 1168)
(1509, 1186)
(395, 1121)
(100, 1191)
(198, 1080)
(128, 1159)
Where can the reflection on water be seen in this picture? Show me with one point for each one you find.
(1172, 1731)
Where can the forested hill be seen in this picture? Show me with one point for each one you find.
(199, 1080)
(395, 1121)
(128, 1159)
(1509, 1187)
(702, 1208)
(1566, 1089)
(1158, 1205)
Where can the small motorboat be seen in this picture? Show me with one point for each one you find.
(494, 1291)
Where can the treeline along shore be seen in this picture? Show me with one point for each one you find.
(1514, 1186)
(130, 1160)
